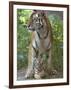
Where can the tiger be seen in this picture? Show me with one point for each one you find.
(40, 48)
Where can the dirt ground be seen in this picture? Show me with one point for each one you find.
(21, 73)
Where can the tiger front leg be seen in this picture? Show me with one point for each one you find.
(29, 72)
(38, 68)
(30, 69)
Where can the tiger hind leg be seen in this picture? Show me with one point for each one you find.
(50, 68)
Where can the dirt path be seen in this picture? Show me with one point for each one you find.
(21, 73)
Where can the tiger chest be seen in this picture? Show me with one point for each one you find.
(45, 44)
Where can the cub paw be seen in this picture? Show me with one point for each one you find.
(36, 76)
(52, 71)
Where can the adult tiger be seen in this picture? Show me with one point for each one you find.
(39, 57)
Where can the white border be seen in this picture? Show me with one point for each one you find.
(64, 79)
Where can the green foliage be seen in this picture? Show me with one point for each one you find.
(57, 31)
(22, 16)
(24, 38)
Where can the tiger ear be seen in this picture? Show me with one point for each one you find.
(43, 13)
(34, 11)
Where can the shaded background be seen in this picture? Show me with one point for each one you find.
(24, 37)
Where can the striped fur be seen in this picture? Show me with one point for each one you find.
(39, 57)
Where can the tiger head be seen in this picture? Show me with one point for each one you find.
(37, 21)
